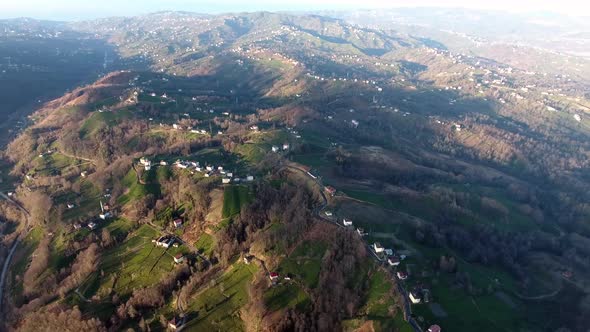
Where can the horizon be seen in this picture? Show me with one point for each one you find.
(65, 10)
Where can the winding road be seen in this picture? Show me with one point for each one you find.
(12, 249)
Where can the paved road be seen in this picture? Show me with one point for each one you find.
(5, 270)
(13, 248)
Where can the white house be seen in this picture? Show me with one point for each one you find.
(179, 258)
(378, 247)
(347, 222)
(275, 148)
(225, 180)
(389, 252)
(163, 163)
(164, 241)
(328, 213)
(71, 206)
(361, 231)
(92, 225)
(229, 174)
(175, 126)
(209, 168)
(249, 178)
(415, 297)
(105, 215)
(401, 275)
(285, 146)
(577, 117)
(393, 261)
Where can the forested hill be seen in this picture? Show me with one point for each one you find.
(248, 172)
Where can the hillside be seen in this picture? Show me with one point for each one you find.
(282, 155)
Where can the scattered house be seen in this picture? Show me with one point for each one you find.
(177, 223)
(163, 163)
(147, 166)
(393, 261)
(83, 174)
(70, 205)
(181, 165)
(106, 207)
(144, 161)
(254, 128)
(286, 146)
(361, 231)
(457, 127)
(77, 226)
(328, 213)
(389, 252)
(288, 277)
(209, 168)
(378, 247)
(247, 259)
(220, 168)
(434, 328)
(105, 215)
(355, 123)
(401, 275)
(229, 174)
(175, 126)
(179, 258)
(10, 194)
(347, 222)
(250, 178)
(207, 175)
(225, 180)
(274, 276)
(330, 190)
(577, 117)
(415, 297)
(275, 148)
(177, 322)
(92, 225)
(165, 241)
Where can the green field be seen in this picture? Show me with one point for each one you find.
(234, 197)
(206, 243)
(135, 263)
(217, 307)
(99, 120)
(305, 263)
(138, 190)
(284, 296)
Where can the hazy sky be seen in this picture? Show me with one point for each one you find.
(84, 9)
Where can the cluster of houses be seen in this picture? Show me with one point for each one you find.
(195, 166)
(105, 214)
